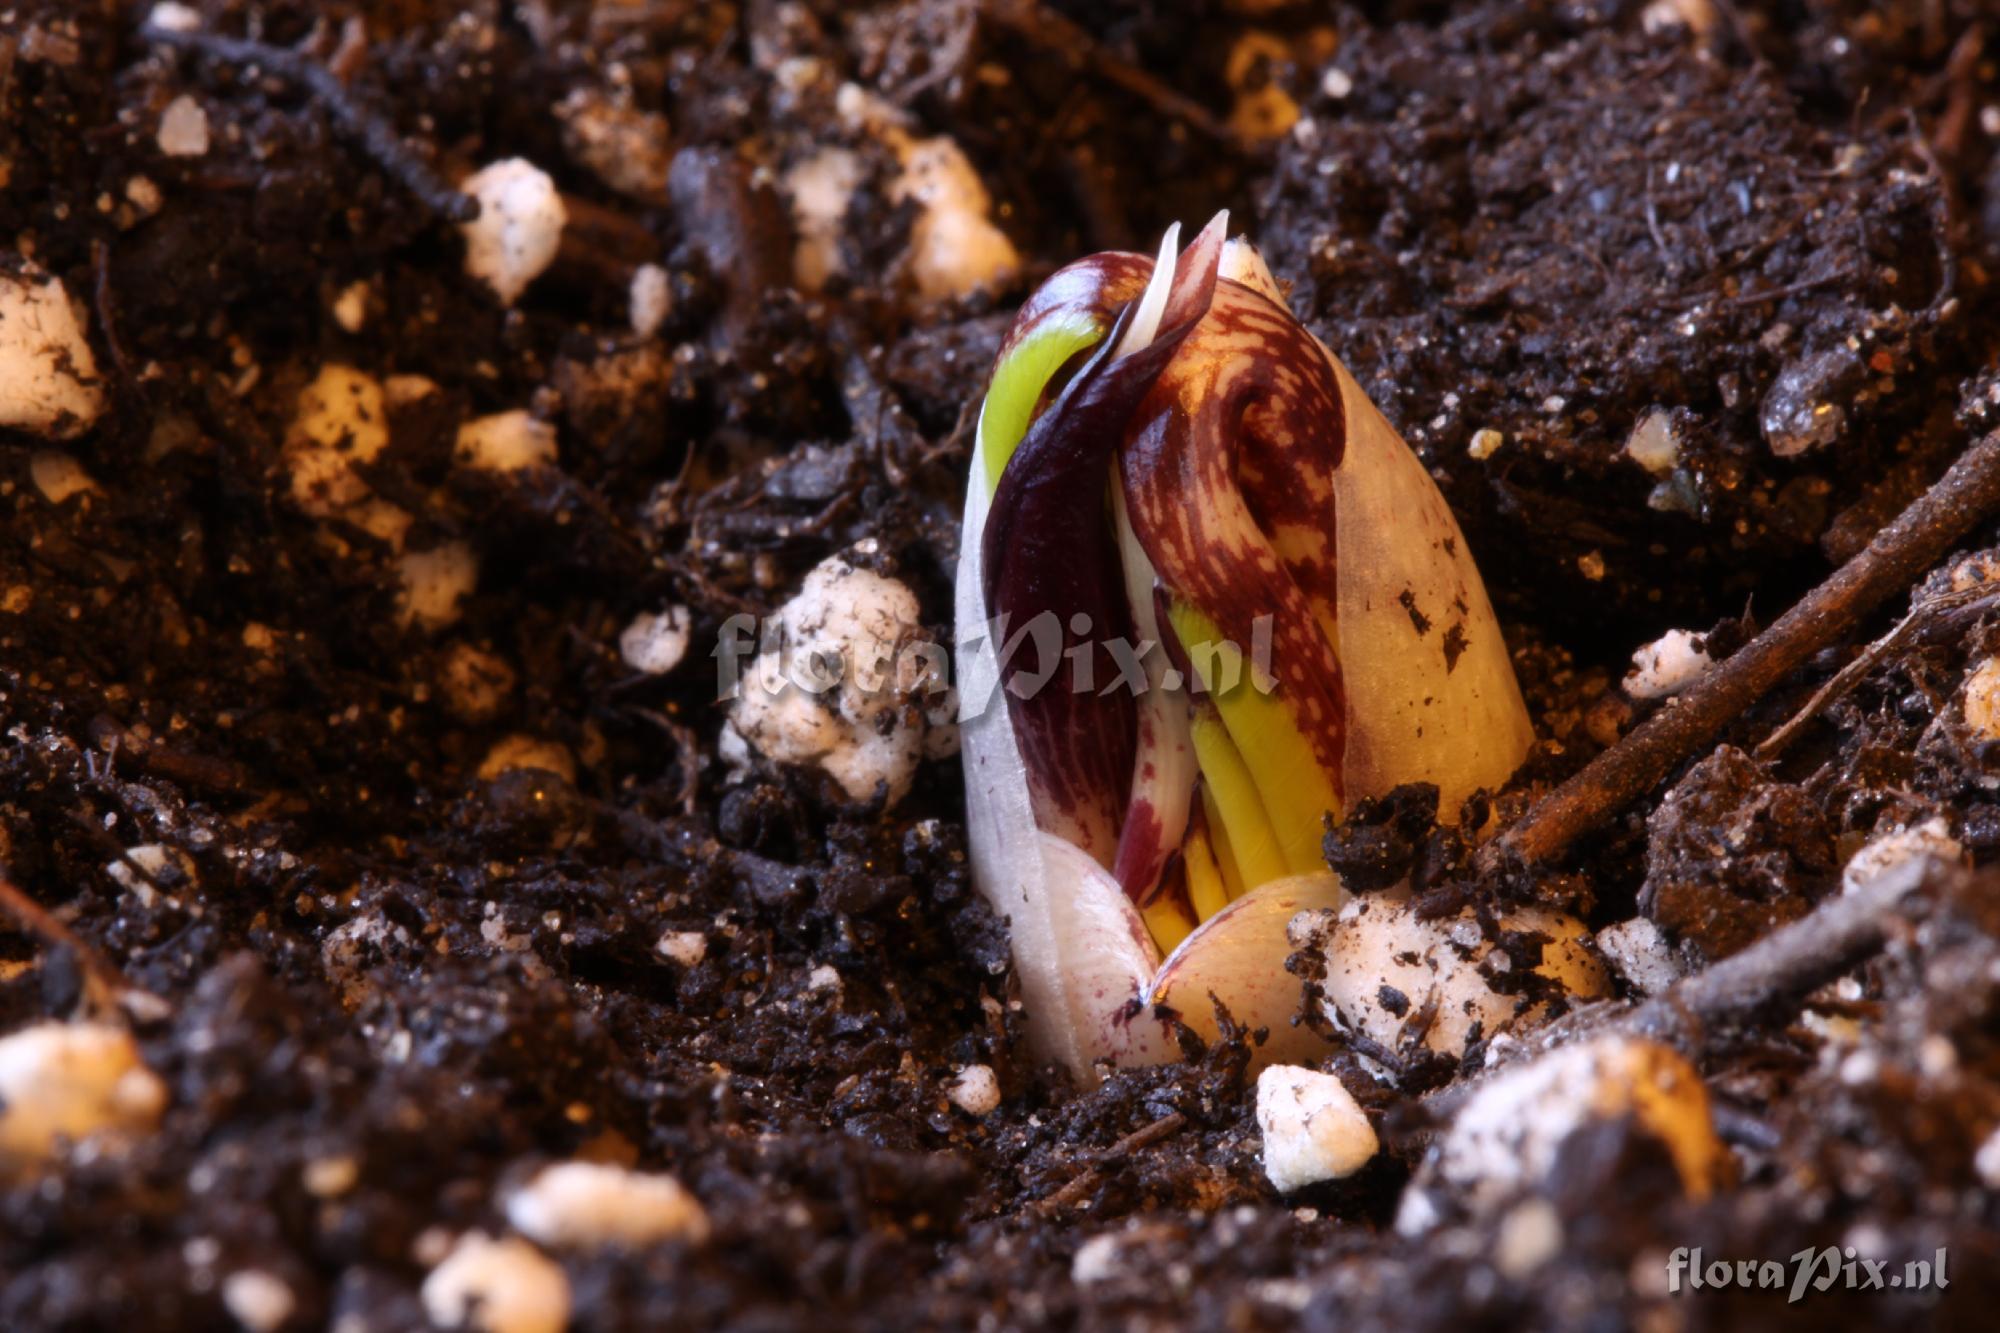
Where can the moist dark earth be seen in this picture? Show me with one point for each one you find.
(1769, 227)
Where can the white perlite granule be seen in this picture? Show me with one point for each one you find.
(955, 249)
(1640, 954)
(1986, 1162)
(1097, 1260)
(258, 1301)
(628, 148)
(1528, 1236)
(341, 421)
(1668, 665)
(435, 581)
(686, 948)
(590, 1204)
(1507, 1136)
(1981, 705)
(506, 442)
(854, 686)
(183, 128)
(497, 1286)
(171, 17)
(62, 1083)
(350, 308)
(975, 1090)
(1888, 851)
(820, 189)
(651, 299)
(1313, 1128)
(655, 642)
(48, 377)
(1653, 444)
(519, 227)
(1385, 966)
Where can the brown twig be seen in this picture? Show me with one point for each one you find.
(949, 59)
(104, 987)
(1091, 1176)
(1748, 299)
(1063, 36)
(1772, 977)
(688, 756)
(604, 243)
(100, 262)
(155, 758)
(1920, 617)
(1766, 982)
(1967, 494)
(375, 135)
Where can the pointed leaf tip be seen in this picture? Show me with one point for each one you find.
(1195, 272)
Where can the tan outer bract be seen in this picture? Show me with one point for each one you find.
(1417, 710)
(1238, 955)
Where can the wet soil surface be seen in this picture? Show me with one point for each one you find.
(1681, 302)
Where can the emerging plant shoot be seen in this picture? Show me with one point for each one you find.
(1207, 597)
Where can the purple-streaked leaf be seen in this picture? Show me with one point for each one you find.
(1049, 552)
(1164, 768)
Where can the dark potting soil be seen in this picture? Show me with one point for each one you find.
(1761, 233)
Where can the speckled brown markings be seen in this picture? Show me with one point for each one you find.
(1248, 416)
